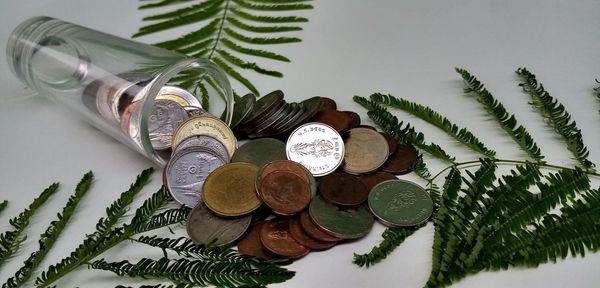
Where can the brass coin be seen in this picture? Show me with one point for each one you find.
(203, 125)
(403, 161)
(343, 189)
(275, 236)
(366, 151)
(203, 227)
(260, 151)
(229, 190)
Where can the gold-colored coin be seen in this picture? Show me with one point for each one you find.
(229, 190)
(204, 125)
(173, 98)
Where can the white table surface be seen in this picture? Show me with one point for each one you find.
(406, 48)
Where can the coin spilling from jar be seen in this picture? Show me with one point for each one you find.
(308, 177)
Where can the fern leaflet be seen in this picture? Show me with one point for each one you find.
(557, 117)
(51, 234)
(462, 135)
(507, 121)
(10, 241)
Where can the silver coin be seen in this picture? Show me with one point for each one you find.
(316, 146)
(203, 227)
(206, 142)
(181, 93)
(196, 111)
(186, 171)
(163, 121)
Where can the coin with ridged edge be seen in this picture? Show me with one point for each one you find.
(229, 190)
(316, 146)
(350, 223)
(203, 125)
(400, 203)
(203, 141)
(203, 227)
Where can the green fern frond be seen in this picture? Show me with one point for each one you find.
(230, 25)
(150, 206)
(403, 132)
(597, 91)
(91, 244)
(183, 246)
(392, 238)
(163, 219)
(557, 117)
(198, 272)
(507, 121)
(10, 241)
(432, 117)
(51, 234)
(160, 286)
(421, 169)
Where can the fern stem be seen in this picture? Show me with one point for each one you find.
(220, 30)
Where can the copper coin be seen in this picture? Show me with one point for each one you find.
(366, 151)
(299, 235)
(328, 103)
(312, 230)
(275, 236)
(392, 142)
(338, 120)
(343, 189)
(372, 179)
(286, 166)
(229, 190)
(354, 119)
(251, 245)
(403, 161)
(284, 192)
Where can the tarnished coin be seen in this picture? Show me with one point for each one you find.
(203, 141)
(229, 190)
(366, 150)
(284, 192)
(291, 167)
(251, 245)
(186, 171)
(260, 151)
(317, 147)
(350, 223)
(181, 96)
(392, 143)
(264, 105)
(310, 107)
(242, 109)
(338, 120)
(275, 236)
(312, 230)
(354, 119)
(343, 189)
(304, 239)
(163, 121)
(203, 125)
(372, 179)
(400, 203)
(257, 129)
(203, 227)
(403, 161)
(328, 103)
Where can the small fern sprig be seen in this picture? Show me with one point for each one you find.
(507, 121)
(10, 241)
(462, 135)
(49, 237)
(184, 247)
(392, 238)
(198, 272)
(228, 36)
(557, 116)
(90, 244)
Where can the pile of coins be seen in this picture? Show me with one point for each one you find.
(327, 183)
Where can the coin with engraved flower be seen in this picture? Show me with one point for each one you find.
(316, 146)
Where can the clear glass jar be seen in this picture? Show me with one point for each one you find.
(112, 82)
